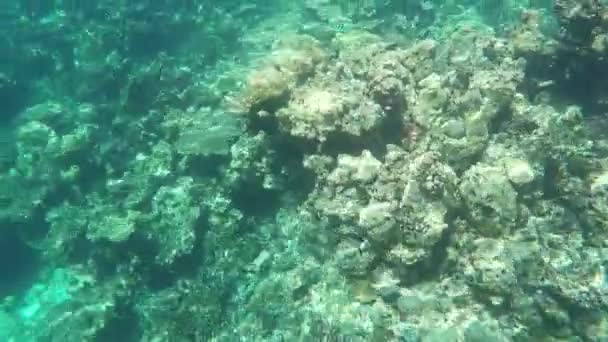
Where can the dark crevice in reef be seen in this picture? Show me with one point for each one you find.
(188, 265)
(271, 106)
(202, 167)
(578, 78)
(432, 267)
(290, 154)
(19, 262)
(390, 132)
(551, 173)
(344, 143)
(574, 64)
(122, 326)
(255, 201)
(339, 142)
(159, 277)
(14, 97)
(501, 121)
(439, 252)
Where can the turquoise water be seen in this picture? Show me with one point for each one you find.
(315, 170)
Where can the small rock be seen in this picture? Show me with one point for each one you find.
(519, 171)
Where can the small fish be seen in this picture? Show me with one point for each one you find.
(340, 27)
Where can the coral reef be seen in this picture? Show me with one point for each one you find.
(319, 171)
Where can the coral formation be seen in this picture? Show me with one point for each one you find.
(321, 171)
